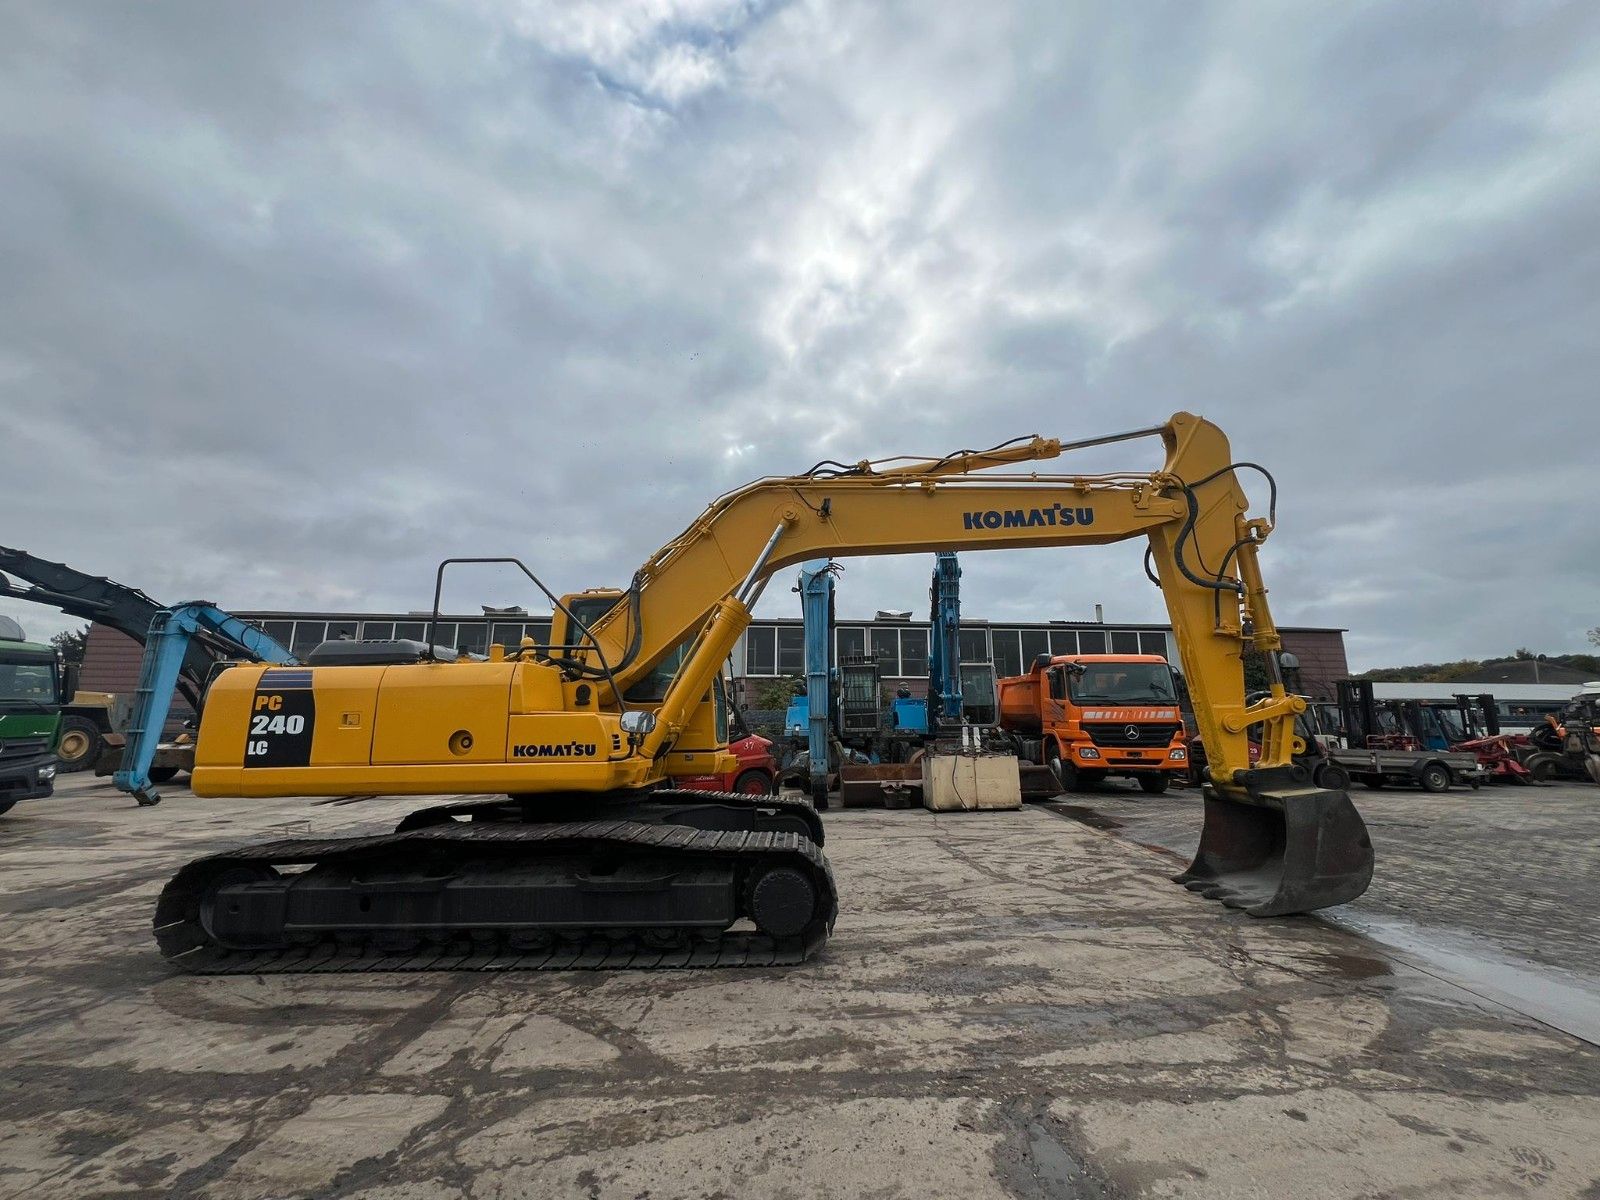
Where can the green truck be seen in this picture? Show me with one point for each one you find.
(31, 693)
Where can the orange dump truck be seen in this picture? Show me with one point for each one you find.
(1091, 716)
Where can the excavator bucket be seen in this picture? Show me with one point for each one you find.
(1284, 846)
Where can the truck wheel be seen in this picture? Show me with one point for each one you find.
(1154, 784)
(163, 774)
(1331, 776)
(79, 744)
(1066, 774)
(1541, 767)
(1435, 777)
(749, 783)
(819, 794)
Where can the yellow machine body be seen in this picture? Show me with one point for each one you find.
(423, 728)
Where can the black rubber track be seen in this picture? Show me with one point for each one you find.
(185, 943)
(642, 808)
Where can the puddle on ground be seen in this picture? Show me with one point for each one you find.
(1095, 819)
(1088, 816)
(1356, 966)
(1563, 1000)
(1058, 1172)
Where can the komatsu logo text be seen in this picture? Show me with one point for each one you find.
(558, 750)
(1024, 518)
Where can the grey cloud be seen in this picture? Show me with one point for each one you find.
(302, 298)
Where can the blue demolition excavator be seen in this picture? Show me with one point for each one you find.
(842, 705)
(183, 646)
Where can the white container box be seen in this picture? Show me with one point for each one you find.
(970, 782)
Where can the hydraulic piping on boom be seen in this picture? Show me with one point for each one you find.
(573, 848)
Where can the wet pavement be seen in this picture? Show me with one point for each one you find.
(1497, 889)
(1012, 1005)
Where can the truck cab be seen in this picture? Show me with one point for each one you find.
(1092, 716)
(30, 719)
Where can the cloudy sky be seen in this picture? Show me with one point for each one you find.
(297, 298)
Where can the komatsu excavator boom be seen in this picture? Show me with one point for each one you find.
(581, 854)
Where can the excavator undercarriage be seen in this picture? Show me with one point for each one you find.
(656, 882)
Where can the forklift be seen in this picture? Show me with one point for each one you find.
(1405, 741)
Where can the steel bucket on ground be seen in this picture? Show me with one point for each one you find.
(1280, 845)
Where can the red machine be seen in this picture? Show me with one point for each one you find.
(756, 774)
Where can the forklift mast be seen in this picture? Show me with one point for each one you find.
(1358, 710)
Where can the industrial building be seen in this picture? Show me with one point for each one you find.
(775, 647)
(770, 648)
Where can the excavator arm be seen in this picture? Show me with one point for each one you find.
(1272, 843)
(168, 643)
(1191, 510)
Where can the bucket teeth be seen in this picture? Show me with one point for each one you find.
(1283, 848)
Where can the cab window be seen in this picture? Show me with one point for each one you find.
(652, 688)
(719, 707)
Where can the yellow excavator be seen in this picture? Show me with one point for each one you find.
(571, 847)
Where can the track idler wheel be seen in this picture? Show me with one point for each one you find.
(782, 902)
(1280, 845)
(186, 913)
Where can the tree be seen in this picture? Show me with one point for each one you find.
(1594, 635)
(776, 693)
(1255, 671)
(70, 643)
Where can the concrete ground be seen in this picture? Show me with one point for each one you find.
(1012, 1005)
(1505, 874)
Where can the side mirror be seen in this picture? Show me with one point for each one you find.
(638, 722)
(69, 681)
(1042, 662)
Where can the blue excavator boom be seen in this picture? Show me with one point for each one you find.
(167, 645)
(944, 642)
(182, 646)
(816, 607)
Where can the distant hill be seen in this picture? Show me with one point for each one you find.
(1518, 668)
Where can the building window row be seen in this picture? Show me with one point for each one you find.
(768, 650)
(777, 650)
(1015, 649)
(903, 650)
